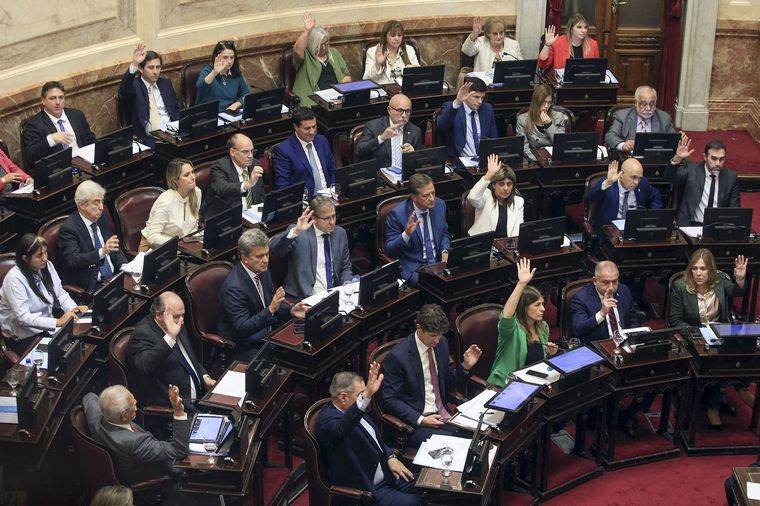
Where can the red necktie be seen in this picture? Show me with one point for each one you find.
(436, 388)
(134, 427)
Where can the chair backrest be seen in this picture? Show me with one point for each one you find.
(569, 118)
(25, 160)
(439, 138)
(382, 210)
(608, 117)
(95, 465)
(468, 213)
(565, 318)
(267, 163)
(132, 211)
(50, 232)
(378, 355)
(589, 208)
(465, 60)
(319, 485)
(286, 67)
(675, 277)
(117, 354)
(354, 136)
(479, 325)
(7, 261)
(341, 149)
(188, 77)
(202, 173)
(123, 110)
(203, 286)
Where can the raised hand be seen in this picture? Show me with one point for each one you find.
(524, 272)
(62, 137)
(740, 268)
(256, 173)
(308, 21)
(111, 245)
(299, 310)
(277, 298)
(176, 401)
(411, 224)
(172, 326)
(374, 380)
(477, 27)
(391, 131)
(493, 166)
(380, 55)
(304, 222)
(471, 356)
(220, 65)
(608, 302)
(138, 55)
(463, 93)
(682, 151)
(612, 173)
(550, 36)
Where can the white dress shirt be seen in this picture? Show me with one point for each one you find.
(243, 192)
(469, 146)
(699, 212)
(428, 378)
(67, 128)
(163, 113)
(316, 160)
(429, 222)
(88, 224)
(170, 216)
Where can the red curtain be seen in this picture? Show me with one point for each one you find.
(554, 13)
(670, 60)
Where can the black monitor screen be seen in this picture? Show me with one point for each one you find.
(727, 223)
(575, 360)
(649, 225)
(357, 180)
(509, 150)
(422, 80)
(366, 84)
(739, 329)
(470, 253)
(514, 396)
(110, 302)
(53, 171)
(323, 319)
(198, 120)
(585, 70)
(114, 148)
(161, 263)
(575, 147)
(284, 204)
(514, 73)
(655, 147)
(431, 161)
(59, 347)
(651, 336)
(379, 285)
(264, 106)
(542, 236)
(223, 230)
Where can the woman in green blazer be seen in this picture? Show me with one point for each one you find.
(523, 333)
(704, 295)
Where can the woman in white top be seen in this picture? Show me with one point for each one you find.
(497, 207)
(175, 212)
(386, 60)
(32, 299)
(492, 47)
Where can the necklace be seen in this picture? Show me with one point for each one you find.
(224, 78)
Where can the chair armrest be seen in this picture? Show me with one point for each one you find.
(217, 340)
(456, 397)
(158, 482)
(79, 294)
(478, 381)
(354, 494)
(158, 410)
(397, 424)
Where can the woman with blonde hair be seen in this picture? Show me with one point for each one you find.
(492, 46)
(115, 495)
(575, 43)
(541, 123)
(175, 212)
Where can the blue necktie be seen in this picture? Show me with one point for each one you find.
(430, 257)
(62, 129)
(475, 136)
(328, 261)
(190, 371)
(105, 267)
(314, 168)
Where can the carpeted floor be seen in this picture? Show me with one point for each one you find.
(742, 152)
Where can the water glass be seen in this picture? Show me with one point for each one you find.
(12, 378)
(618, 337)
(137, 277)
(38, 357)
(210, 447)
(447, 458)
(335, 191)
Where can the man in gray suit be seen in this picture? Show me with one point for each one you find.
(316, 249)
(701, 184)
(386, 138)
(235, 179)
(643, 117)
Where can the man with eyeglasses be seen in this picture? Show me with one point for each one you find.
(643, 117)
(385, 139)
(235, 179)
(316, 249)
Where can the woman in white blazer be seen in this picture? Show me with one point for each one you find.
(385, 61)
(491, 47)
(497, 207)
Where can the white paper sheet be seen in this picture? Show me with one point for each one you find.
(472, 409)
(620, 224)
(347, 300)
(691, 231)
(753, 491)
(232, 384)
(392, 176)
(43, 342)
(174, 125)
(467, 161)
(460, 446)
(253, 214)
(24, 189)
(486, 77)
(8, 410)
(88, 152)
(136, 265)
(552, 374)
(239, 114)
(709, 336)
(329, 95)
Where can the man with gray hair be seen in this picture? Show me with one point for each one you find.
(250, 305)
(642, 117)
(88, 250)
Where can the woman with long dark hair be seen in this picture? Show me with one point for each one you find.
(541, 123)
(386, 60)
(497, 207)
(222, 80)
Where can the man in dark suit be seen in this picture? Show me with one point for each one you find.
(304, 156)
(624, 189)
(352, 448)
(416, 232)
(150, 97)
(418, 375)
(643, 117)
(702, 185)
(384, 139)
(55, 127)
(88, 250)
(235, 179)
(316, 249)
(467, 119)
(160, 354)
(598, 310)
(250, 305)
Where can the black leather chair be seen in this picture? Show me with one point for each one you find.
(565, 318)
(132, 211)
(188, 77)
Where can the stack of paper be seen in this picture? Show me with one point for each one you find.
(232, 384)
(470, 411)
(88, 152)
(136, 265)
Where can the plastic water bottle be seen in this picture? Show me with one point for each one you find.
(27, 368)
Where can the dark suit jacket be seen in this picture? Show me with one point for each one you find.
(625, 121)
(349, 452)
(80, 261)
(153, 365)
(410, 255)
(403, 388)
(243, 318)
(39, 126)
(689, 179)
(137, 455)
(683, 307)
(134, 94)
(454, 123)
(608, 202)
(367, 148)
(586, 304)
(302, 259)
(291, 165)
(224, 188)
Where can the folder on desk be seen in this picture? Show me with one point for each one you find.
(8, 410)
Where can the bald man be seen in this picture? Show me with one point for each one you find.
(642, 117)
(160, 354)
(386, 138)
(624, 188)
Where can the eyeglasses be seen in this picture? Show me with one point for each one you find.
(332, 217)
(648, 104)
(401, 111)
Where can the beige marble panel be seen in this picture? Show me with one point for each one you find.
(739, 9)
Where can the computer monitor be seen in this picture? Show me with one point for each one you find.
(323, 319)
(737, 338)
(470, 253)
(32, 401)
(284, 204)
(431, 161)
(110, 302)
(585, 70)
(655, 148)
(198, 120)
(161, 263)
(649, 225)
(223, 230)
(514, 73)
(509, 149)
(62, 348)
(356, 92)
(263, 106)
(260, 371)
(380, 285)
(542, 236)
(426, 80)
(651, 336)
(53, 171)
(513, 397)
(114, 148)
(727, 223)
(579, 147)
(575, 360)
(357, 180)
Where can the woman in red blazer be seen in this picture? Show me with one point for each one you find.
(10, 172)
(558, 48)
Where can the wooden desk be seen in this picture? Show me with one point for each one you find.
(196, 149)
(451, 287)
(334, 118)
(587, 101)
(117, 178)
(508, 101)
(266, 133)
(635, 257)
(352, 212)
(98, 335)
(10, 229)
(666, 377)
(742, 475)
(725, 252)
(195, 250)
(710, 365)
(35, 210)
(556, 269)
